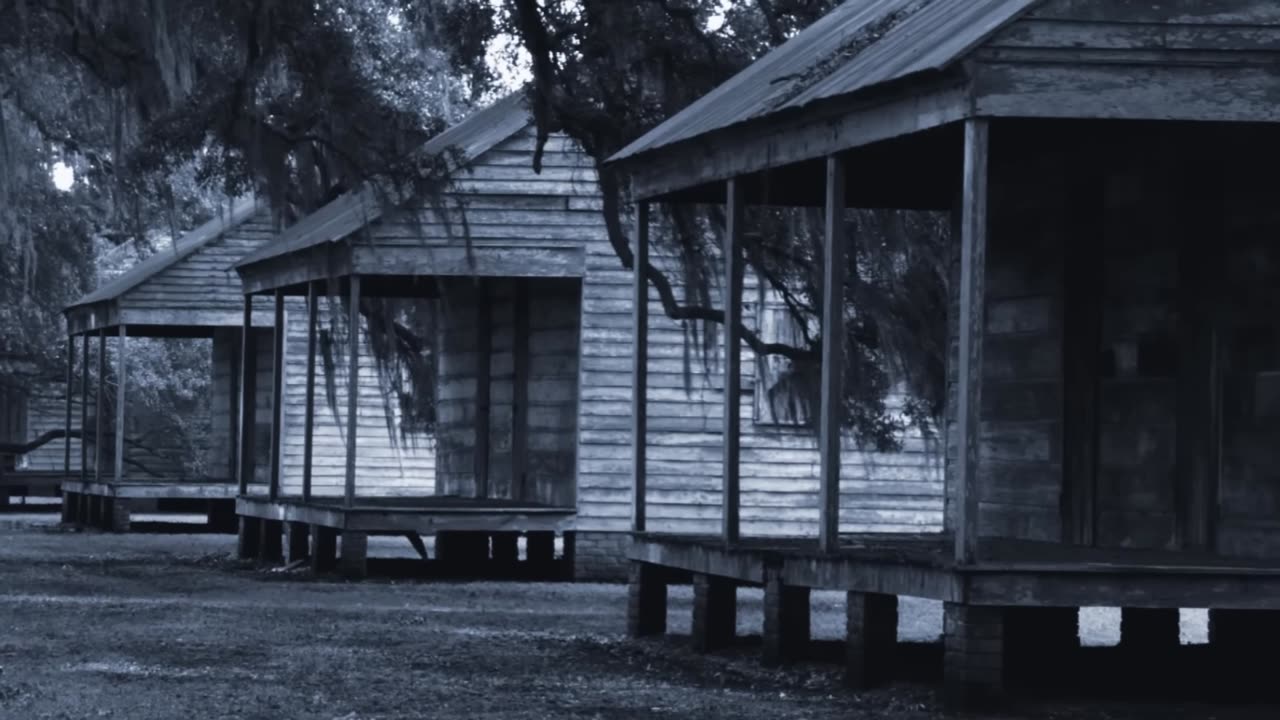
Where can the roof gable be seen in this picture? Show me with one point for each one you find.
(241, 211)
(469, 139)
(859, 45)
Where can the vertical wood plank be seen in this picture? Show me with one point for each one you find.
(732, 358)
(309, 422)
(1202, 208)
(121, 374)
(233, 422)
(520, 392)
(639, 367)
(98, 406)
(278, 334)
(484, 359)
(84, 408)
(973, 247)
(248, 391)
(71, 375)
(1082, 291)
(353, 385)
(833, 334)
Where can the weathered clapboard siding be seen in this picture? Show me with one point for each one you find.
(389, 463)
(46, 410)
(203, 280)
(1190, 59)
(532, 370)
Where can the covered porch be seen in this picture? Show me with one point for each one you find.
(1113, 341)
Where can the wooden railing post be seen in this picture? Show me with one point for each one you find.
(732, 358)
(833, 336)
(973, 250)
(639, 367)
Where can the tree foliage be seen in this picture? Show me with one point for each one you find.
(304, 101)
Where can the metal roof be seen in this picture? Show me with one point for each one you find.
(468, 139)
(858, 45)
(241, 210)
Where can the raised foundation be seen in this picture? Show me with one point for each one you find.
(271, 550)
(872, 627)
(505, 550)
(646, 600)
(1149, 629)
(116, 514)
(324, 548)
(786, 619)
(297, 535)
(1040, 643)
(715, 612)
(973, 660)
(353, 555)
(249, 538)
(599, 556)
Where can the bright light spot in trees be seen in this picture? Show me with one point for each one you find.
(395, 19)
(63, 176)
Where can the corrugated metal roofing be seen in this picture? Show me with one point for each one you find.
(470, 138)
(858, 45)
(241, 210)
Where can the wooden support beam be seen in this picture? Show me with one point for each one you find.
(639, 366)
(309, 422)
(278, 334)
(715, 612)
(71, 374)
(646, 600)
(233, 419)
(84, 408)
(834, 269)
(353, 386)
(484, 360)
(730, 494)
(121, 374)
(248, 391)
(973, 250)
(520, 392)
(99, 406)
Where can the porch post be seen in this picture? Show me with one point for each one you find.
(121, 369)
(248, 393)
(353, 385)
(84, 408)
(732, 356)
(99, 402)
(833, 334)
(71, 374)
(313, 310)
(639, 366)
(277, 394)
(484, 361)
(520, 392)
(973, 244)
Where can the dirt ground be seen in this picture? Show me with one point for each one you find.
(170, 626)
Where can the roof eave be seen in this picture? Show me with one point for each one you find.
(913, 104)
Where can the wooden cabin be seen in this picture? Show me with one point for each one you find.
(186, 292)
(193, 292)
(534, 420)
(1115, 347)
(27, 411)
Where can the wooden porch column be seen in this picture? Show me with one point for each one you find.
(71, 374)
(84, 408)
(353, 385)
(278, 334)
(732, 357)
(833, 275)
(248, 391)
(99, 401)
(520, 392)
(973, 250)
(639, 366)
(121, 369)
(484, 360)
(309, 423)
